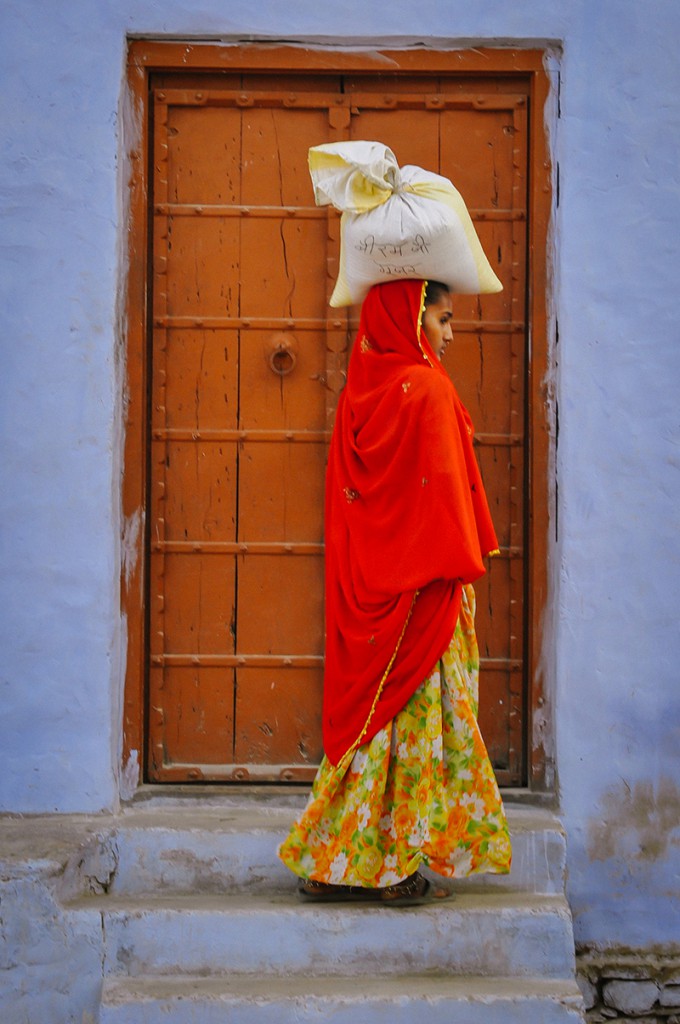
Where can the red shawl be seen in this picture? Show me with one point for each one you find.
(407, 520)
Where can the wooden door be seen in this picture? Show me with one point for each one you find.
(246, 364)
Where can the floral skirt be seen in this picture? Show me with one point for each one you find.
(421, 791)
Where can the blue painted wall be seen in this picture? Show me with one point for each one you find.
(614, 636)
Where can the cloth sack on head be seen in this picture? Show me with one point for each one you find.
(397, 223)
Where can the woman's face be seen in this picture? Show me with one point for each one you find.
(437, 324)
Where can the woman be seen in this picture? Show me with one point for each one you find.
(405, 779)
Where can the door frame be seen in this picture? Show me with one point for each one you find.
(146, 57)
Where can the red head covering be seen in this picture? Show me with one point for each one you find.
(406, 520)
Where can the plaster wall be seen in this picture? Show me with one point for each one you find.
(615, 643)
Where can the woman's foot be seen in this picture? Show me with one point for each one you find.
(413, 891)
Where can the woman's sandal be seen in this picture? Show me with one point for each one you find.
(324, 892)
(413, 891)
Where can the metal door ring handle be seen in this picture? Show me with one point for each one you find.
(282, 360)
(281, 351)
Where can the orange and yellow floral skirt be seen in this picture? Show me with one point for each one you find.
(421, 791)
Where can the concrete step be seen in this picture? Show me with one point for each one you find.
(166, 846)
(485, 934)
(414, 999)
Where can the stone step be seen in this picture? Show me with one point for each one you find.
(432, 998)
(485, 934)
(171, 848)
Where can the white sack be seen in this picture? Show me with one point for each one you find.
(396, 222)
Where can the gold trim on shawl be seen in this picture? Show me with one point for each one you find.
(346, 758)
(419, 325)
